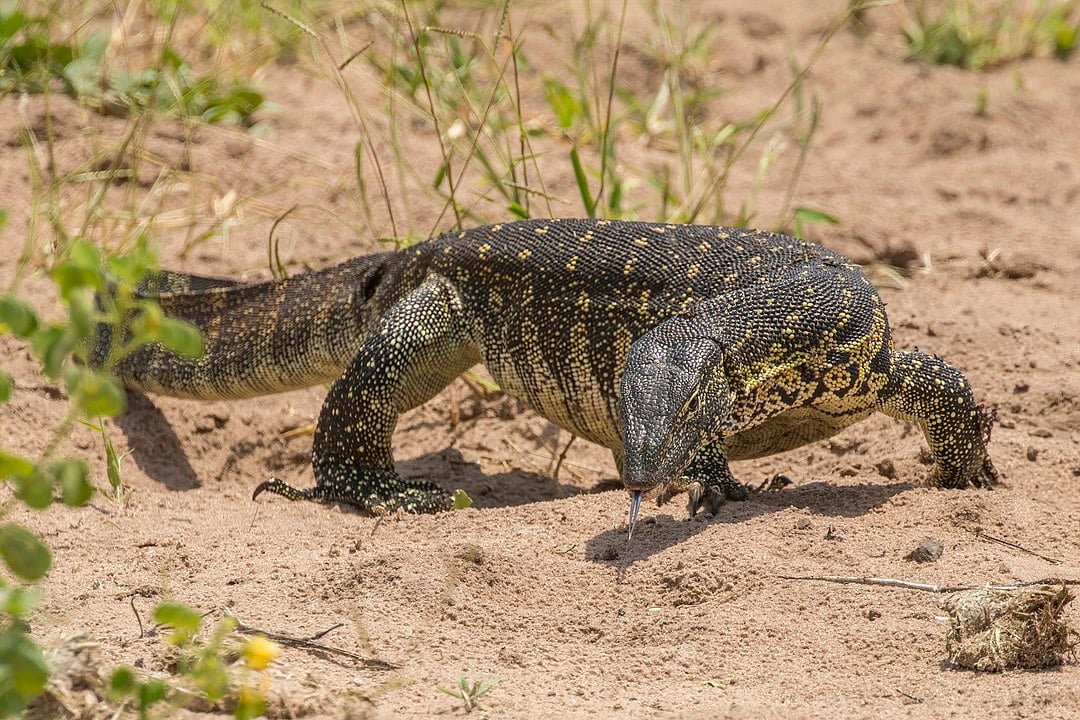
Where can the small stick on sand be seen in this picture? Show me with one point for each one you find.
(925, 587)
(136, 611)
(990, 538)
(309, 643)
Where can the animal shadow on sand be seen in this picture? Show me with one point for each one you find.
(662, 529)
(155, 447)
(159, 452)
(513, 487)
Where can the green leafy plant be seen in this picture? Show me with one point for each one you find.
(501, 123)
(203, 668)
(63, 349)
(469, 693)
(30, 61)
(74, 350)
(96, 257)
(173, 86)
(980, 34)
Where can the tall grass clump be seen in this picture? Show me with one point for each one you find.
(512, 120)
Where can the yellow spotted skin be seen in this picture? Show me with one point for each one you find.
(553, 308)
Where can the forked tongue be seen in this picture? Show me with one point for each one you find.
(635, 507)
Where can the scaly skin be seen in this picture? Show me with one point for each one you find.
(678, 347)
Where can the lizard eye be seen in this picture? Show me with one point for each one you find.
(692, 404)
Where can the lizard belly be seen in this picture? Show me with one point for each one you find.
(791, 429)
(574, 404)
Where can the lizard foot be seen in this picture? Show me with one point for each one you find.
(379, 493)
(710, 494)
(979, 474)
(983, 475)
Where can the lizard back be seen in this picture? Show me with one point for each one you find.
(554, 305)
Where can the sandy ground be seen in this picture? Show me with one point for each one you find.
(536, 585)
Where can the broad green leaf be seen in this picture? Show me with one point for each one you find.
(81, 314)
(147, 324)
(80, 269)
(14, 466)
(17, 602)
(25, 671)
(122, 682)
(181, 337)
(184, 621)
(5, 386)
(461, 500)
(17, 315)
(52, 345)
(73, 478)
(96, 393)
(34, 489)
(23, 553)
(133, 265)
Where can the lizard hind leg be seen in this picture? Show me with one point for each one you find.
(416, 349)
(381, 496)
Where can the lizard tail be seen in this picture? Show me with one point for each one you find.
(258, 338)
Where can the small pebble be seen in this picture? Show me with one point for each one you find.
(1032, 453)
(928, 550)
(886, 469)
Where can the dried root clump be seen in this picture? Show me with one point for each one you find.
(995, 630)
(76, 686)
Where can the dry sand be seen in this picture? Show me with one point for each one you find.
(536, 585)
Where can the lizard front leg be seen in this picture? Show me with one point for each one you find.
(931, 393)
(417, 348)
(708, 481)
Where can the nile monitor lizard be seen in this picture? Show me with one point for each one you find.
(678, 347)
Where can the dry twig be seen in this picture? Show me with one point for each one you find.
(990, 538)
(925, 587)
(309, 643)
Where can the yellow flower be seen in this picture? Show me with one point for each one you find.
(259, 652)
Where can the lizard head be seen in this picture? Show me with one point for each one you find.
(673, 401)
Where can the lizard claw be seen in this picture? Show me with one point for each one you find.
(706, 496)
